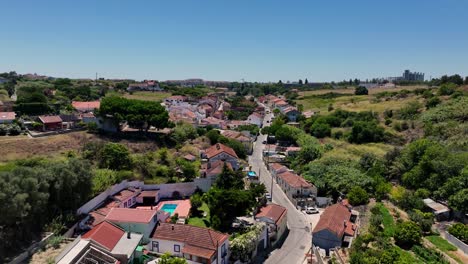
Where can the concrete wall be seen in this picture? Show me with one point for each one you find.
(457, 242)
(326, 240)
(165, 191)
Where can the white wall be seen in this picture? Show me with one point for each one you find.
(165, 191)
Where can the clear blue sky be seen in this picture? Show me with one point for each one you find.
(258, 40)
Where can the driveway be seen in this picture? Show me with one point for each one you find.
(299, 239)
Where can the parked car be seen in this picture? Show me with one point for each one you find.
(311, 210)
(268, 196)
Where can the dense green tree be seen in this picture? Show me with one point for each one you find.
(358, 196)
(115, 156)
(407, 234)
(459, 200)
(361, 90)
(139, 114)
(229, 179)
(364, 132)
(183, 132)
(320, 130)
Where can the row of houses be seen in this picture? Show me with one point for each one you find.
(297, 189)
(274, 102)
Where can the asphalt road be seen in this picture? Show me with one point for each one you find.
(299, 239)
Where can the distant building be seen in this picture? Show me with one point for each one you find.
(413, 76)
(145, 86)
(7, 117)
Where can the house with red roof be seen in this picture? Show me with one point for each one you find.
(7, 117)
(195, 244)
(277, 168)
(221, 152)
(107, 242)
(243, 137)
(85, 107)
(298, 190)
(214, 169)
(275, 216)
(134, 220)
(50, 122)
(335, 228)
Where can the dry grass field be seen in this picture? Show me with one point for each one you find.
(148, 96)
(346, 100)
(23, 147)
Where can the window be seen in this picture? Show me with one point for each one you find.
(176, 248)
(133, 200)
(223, 250)
(155, 246)
(125, 205)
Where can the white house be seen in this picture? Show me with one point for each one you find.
(298, 190)
(275, 216)
(196, 244)
(224, 153)
(255, 119)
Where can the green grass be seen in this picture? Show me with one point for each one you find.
(407, 257)
(445, 246)
(148, 96)
(387, 220)
(349, 151)
(441, 243)
(201, 221)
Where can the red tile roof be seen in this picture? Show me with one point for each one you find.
(86, 106)
(152, 193)
(7, 115)
(128, 215)
(333, 219)
(217, 168)
(105, 234)
(294, 180)
(199, 241)
(277, 166)
(272, 211)
(124, 195)
(218, 149)
(50, 119)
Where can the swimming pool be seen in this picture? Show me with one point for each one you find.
(170, 208)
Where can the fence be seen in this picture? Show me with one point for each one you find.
(457, 242)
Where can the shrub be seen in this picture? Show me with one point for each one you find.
(92, 127)
(460, 231)
(358, 196)
(388, 121)
(432, 102)
(320, 130)
(407, 234)
(3, 130)
(447, 89)
(338, 134)
(14, 130)
(361, 90)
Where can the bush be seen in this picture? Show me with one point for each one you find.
(115, 156)
(407, 234)
(14, 130)
(361, 90)
(388, 121)
(338, 134)
(432, 102)
(460, 231)
(364, 132)
(320, 130)
(3, 130)
(358, 196)
(447, 89)
(55, 241)
(92, 127)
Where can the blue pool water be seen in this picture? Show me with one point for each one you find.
(170, 208)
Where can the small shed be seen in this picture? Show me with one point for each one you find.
(440, 211)
(51, 122)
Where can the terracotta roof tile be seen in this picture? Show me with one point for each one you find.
(198, 240)
(7, 115)
(130, 215)
(86, 106)
(272, 211)
(50, 119)
(294, 180)
(124, 195)
(218, 149)
(105, 234)
(333, 219)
